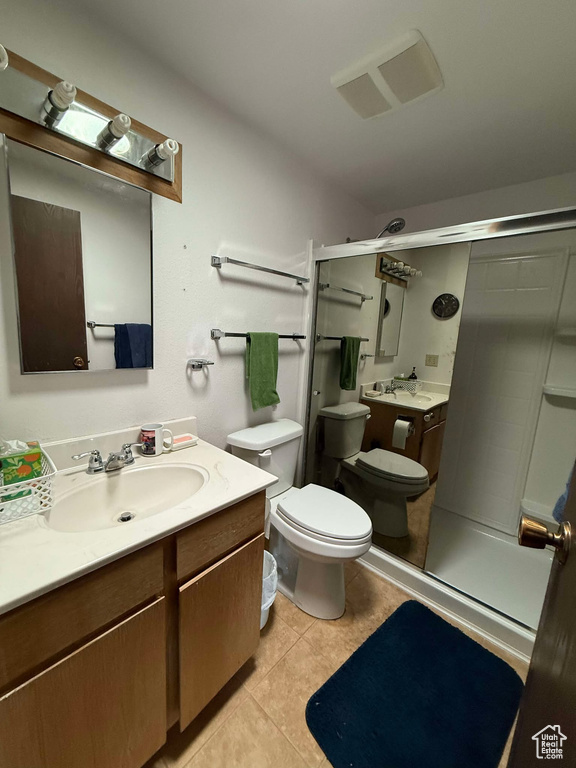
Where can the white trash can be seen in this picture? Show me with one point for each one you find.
(269, 586)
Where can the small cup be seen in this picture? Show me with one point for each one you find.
(153, 441)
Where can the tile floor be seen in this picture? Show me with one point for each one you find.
(257, 720)
(412, 547)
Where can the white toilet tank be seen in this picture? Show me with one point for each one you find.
(344, 426)
(273, 447)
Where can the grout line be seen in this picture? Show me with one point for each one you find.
(281, 732)
(298, 637)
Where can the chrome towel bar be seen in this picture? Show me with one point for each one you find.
(320, 337)
(363, 296)
(216, 334)
(92, 324)
(217, 262)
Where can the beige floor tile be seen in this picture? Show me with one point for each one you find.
(369, 601)
(276, 639)
(351, 570)
(180, 748)
(290, 614)
(248, 739)
(284, 692)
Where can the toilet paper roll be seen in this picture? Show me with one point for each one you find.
(400, 433)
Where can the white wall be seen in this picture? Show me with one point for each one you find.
(115, 225)
(243, 196)
(444, 270)
(540, 195)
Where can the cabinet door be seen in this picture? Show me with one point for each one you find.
(431, 449)
(103, 706)
(219, 625)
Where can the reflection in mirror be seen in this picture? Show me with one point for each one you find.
(389, 320)
(510, 439)
(82, 256)
(380, 443)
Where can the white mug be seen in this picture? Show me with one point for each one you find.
(153, 441)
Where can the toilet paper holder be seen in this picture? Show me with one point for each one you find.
(400, 434)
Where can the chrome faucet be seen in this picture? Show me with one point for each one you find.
(114, 462)
(392, 387)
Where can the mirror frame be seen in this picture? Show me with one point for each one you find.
(5, 168)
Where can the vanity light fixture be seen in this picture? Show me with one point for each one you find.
(161, 152)
(57, 103)
(3, 58)
(114, 131)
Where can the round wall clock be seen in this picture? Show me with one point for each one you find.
(446, 305)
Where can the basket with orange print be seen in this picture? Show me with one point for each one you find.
(25, 483)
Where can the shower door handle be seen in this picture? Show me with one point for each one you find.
(536, 535)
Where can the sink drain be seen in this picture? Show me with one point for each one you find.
(125, 517)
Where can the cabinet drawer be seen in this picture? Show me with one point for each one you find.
(37, 632)
(219, 625)
(210, 539)
(104, 705)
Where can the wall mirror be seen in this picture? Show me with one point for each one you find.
(492, 421)
(389, 320)
(83, 265)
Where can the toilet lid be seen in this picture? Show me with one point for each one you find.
(393, 466)
(326, 512)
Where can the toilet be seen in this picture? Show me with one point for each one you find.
(313, 530)
(379, 481)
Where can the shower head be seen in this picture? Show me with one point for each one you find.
(396, 225)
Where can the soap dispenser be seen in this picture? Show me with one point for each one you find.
(413, 376)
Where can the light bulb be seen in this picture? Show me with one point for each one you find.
(57, 103)
(3, 58)
(161, 152)
(115, 130)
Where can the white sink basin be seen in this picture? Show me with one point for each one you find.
(406, 397)
(124, 497)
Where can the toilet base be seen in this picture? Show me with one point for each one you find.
(387, 510)
(319, 589)
(390, 516)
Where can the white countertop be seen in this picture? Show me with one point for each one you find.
(35, 558)
(420, 401)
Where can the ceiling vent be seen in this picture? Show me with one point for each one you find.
(399, 74)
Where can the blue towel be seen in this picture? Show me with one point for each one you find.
(133, 345)
(558, 513)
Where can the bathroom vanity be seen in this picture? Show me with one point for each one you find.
(428, 417)
(94, 671)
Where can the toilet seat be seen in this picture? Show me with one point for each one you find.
(325, 514)
(392, 466)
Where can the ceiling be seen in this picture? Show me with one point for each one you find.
(507, 113)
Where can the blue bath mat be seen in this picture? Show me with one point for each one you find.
(418, 693)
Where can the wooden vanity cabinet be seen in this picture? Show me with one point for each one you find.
(103, 705)
(423, 446)
(94, 672)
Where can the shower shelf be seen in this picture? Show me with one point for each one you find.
(550, 389)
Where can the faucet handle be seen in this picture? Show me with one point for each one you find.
(127, 451)
(95, 464)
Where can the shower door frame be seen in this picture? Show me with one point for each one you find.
(487, 229)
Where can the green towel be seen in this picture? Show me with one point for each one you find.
(349, 352)
(262, 368)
